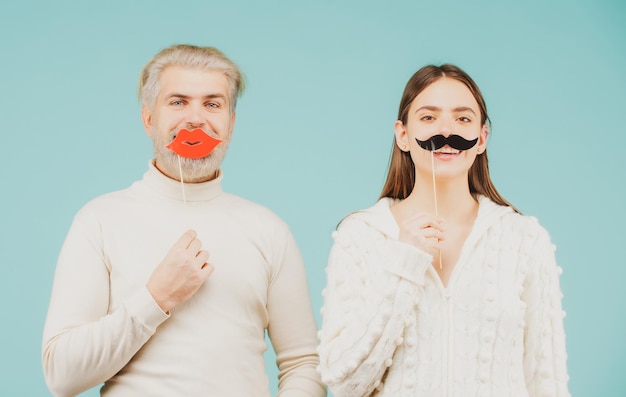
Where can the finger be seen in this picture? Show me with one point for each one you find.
(194, 247)
(202, 256)
(436, 226)
(186, 238)
(433, 233)
(207, 269)
(423, 220)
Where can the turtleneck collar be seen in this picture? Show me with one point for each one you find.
(171, 189)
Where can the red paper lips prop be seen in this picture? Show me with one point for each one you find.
(194, 144)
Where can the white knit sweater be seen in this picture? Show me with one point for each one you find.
(390, 328)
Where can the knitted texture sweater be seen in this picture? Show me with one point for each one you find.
(390, 327)
(103, 325)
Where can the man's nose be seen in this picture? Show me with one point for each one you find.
(195, 117)
(192, 126)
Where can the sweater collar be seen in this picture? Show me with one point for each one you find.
(167, 187)
(380, 217)
(489, 212)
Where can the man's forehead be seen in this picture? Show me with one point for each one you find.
(193, 82)
(198, 72)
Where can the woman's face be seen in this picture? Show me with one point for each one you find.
(445, 107)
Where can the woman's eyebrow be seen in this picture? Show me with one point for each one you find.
(438, 109)
(464, 109)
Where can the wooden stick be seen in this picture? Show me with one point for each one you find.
(182, 186)
(432, 163)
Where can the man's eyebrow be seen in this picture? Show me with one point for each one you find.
(183, 96)
(175, 95)
(211, 96)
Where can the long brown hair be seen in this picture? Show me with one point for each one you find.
(401, 176)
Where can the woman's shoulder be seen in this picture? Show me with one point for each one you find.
(510, 221)
(378, 218)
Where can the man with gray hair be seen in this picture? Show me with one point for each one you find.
(166, 288)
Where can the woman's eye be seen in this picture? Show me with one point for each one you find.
(427, 118)
(464, 119)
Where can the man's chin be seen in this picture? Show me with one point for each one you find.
(195, 170)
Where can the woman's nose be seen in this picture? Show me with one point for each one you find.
(446, 127)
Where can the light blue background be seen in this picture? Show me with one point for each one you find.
(314, 131)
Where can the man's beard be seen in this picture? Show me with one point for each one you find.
(193, 169)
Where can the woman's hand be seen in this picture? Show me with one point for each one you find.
(422, 230)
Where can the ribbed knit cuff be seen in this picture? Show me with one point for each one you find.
(404, 260)
(142, 307)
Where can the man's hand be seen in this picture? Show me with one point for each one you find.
(181, 273)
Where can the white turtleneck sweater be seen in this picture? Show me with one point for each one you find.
(104, 326)
(390, 327)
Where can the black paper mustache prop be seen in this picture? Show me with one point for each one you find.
(454, 141)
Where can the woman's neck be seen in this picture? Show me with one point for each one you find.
(454, 200)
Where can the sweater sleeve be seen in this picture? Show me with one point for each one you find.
(372, 285)
(84, 341)
(544, 341)
(292, 328)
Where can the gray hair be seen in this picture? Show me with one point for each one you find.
(193, 57)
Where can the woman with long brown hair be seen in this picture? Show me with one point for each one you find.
(442, 288)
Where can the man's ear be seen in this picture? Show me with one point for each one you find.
(232, 121)
(402, 138)
(146, 118)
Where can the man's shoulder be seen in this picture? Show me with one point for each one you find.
(107, 202)
(250, 209)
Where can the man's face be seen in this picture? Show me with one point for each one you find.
(190, 98)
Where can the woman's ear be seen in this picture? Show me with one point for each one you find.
(482, 139)
(402, 137)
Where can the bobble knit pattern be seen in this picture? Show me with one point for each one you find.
(390, 328)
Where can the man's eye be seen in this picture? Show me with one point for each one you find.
(212, 105)
(177, 103)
